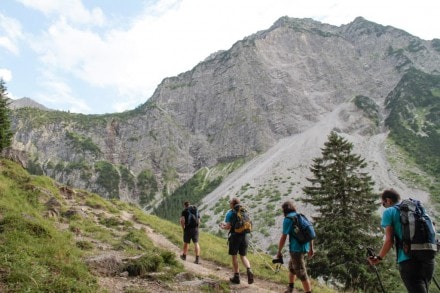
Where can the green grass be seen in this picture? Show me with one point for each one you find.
(37, 256)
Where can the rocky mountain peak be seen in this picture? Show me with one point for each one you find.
(272, 87)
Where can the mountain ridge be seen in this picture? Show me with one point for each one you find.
(237, 104)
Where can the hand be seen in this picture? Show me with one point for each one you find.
(373, 260)
(311, 252)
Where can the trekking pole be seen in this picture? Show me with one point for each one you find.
(276, 270)
(435, 282)
(370, 253)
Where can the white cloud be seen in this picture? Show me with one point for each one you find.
(5, 74)
(171, 36)
(10, 34)
(71, 10)
(61, 94)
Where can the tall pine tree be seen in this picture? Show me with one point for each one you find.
(346, 223)
(5, 123)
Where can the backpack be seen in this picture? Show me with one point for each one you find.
(193, 217)
(241, 220)
(419, 237)
(303, 228)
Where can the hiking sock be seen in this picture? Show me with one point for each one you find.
(250, 276)
(183, 256)
(235, 279)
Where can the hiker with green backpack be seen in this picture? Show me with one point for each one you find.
(237, 221)
(190, 221)
(402, 222)
(301, 235)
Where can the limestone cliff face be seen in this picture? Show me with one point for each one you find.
(236, 103)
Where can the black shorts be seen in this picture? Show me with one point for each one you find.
(238, 243)
(191, 234)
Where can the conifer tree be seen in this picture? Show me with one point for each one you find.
(346, 222)
(5, 123)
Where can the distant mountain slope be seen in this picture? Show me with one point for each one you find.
(238, 103)
(280, 173)
(26, 102)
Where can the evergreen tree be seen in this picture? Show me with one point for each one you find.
(5, 123)
(346, 223)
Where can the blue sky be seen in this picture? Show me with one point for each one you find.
(106, 56)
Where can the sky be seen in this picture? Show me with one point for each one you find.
(107, 56)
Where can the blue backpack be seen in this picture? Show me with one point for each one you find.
(303, 228)
(419, 237)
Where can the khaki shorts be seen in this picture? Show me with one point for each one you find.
(297, 265)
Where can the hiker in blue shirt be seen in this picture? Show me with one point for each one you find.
(297, 266)
(238, 244)
(415, 274)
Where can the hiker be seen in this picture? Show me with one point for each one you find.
(415, 274)
(238, 244)
(190, 221)
(297, 265)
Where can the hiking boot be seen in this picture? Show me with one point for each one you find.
(289, 289)
(183, 257)
(197, 261)
(250, 276)
(235, 279)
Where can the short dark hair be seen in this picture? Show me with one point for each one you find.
(235, 201)
(288, 207)
(391, 194)
(186, 204)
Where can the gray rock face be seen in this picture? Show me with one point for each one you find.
(237, 103)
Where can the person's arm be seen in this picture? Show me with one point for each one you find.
(281, 245)
(311, 250)
(225, 225)
(182, 222)
(387, 245)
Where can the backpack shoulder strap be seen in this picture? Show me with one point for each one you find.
(294, 219)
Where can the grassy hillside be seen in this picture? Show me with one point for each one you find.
(203, 182)
(53, 239)
(414, 122)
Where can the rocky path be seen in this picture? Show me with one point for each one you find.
(205, 274)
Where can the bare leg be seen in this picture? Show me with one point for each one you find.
(197, 249)
(185, 248)
(235, 263)
(245, 261)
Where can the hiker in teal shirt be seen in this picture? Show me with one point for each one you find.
(238, 244)
(415, 274)
(297, 266)
(391, 217)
